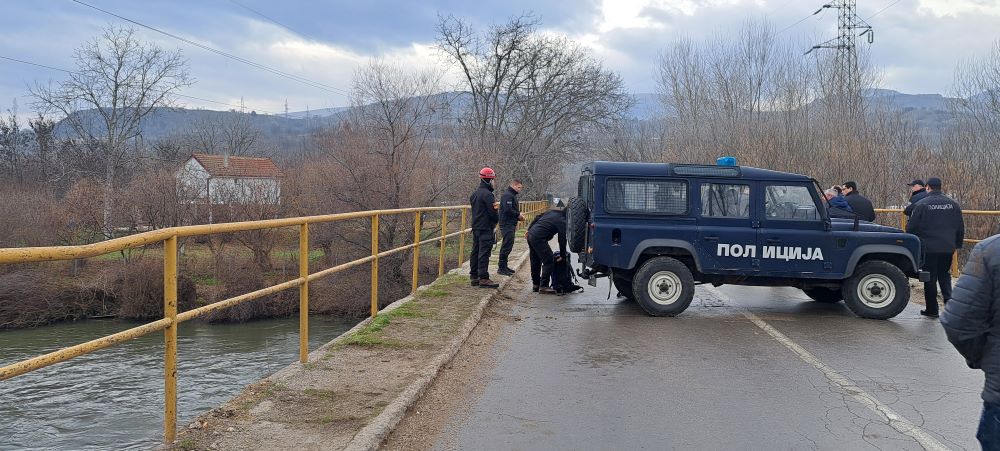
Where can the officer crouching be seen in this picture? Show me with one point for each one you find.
(540, 232)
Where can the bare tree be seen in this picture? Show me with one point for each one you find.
(119, 80)
(392, 150)
(532, 95)
(232, 133)
(43, 129)
(13, 145)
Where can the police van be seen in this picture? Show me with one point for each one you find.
(658, 229)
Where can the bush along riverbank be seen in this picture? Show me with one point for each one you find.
(131, 287)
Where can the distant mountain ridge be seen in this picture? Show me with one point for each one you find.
(930, 112)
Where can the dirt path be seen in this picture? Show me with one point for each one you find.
(461, 381)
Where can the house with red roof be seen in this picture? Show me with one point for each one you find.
(226, 179)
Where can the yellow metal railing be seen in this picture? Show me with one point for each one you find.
(954, 258)
(171, 318)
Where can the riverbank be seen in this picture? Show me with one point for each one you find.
(353, 390)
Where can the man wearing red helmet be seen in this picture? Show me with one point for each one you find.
(484, 220)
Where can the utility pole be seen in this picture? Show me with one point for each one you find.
(844, 83)
(286, 108)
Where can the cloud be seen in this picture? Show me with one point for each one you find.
(917, 43)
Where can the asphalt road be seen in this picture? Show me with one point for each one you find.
(742, 368)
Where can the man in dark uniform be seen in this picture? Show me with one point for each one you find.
(510, 215)
(937, 220)
(540, 232)
(484, 220)
(860, 205)
(917, 193)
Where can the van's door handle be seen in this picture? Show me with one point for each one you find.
(711, 238)
(773, 241)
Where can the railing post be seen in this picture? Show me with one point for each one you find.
(170, 339)
(444, 231)
(416, 251)
(902, 220)
(461, 238)
(954, 264)
(304, 293)
(374, 265)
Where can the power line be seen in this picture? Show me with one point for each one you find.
(264, 16)
(176, 94)
(34, 64)
(298, 78)
(883, 9)
(276, 22)
(794, 24)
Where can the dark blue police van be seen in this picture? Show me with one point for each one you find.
(659, 229)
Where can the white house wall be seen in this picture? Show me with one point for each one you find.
(231, 190)
(193, 178)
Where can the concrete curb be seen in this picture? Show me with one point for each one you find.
(372, 435)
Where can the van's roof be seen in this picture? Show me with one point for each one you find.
(668, 169)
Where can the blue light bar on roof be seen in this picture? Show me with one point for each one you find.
(726, 161)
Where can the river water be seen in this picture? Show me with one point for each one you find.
(113, 399)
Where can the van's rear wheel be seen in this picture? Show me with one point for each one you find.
(877, 290)
(624, 287)
(663, 286)
(824, 295)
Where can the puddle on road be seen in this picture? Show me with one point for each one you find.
(602, 358)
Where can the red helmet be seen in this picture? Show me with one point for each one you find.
(487, 173)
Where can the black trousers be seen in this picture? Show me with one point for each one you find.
(542, 262)
(507, 232)
(939, 265)
(479, 259)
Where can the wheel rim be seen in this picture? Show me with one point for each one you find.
(876, 291)
(664, 288)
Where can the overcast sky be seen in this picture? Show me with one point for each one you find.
(917, 42)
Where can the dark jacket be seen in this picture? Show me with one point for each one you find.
(484, 217)
(861, 206)
(971, 319)
(839, 208)
(548, 225)
(510, 211)
(917, 196)
(937, 220)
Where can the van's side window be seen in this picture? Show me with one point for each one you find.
(793, 203)
(720, 200)
(647, 196)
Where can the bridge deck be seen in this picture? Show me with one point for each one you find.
(743, 368)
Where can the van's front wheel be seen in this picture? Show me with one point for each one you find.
(877, 290)
(663, 286)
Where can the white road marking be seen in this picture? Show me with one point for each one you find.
(894, 420)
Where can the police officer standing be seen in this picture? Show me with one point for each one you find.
(937, 220)
(484, 220)
(917, 193)
(510, 215)
(540, 232)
